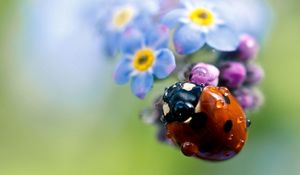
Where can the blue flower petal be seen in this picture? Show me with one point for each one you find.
(251, 17)
(165, 63)
(110, 46)
(123, 71)
(223, 38)
(158, 37)
(142, 22)
(171, 19)
(141, 84)
(188, 40)
(132, 40)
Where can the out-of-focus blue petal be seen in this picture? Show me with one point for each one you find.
(141, 84)
(171, 19)
(252, 17)
(147, 7)
(167, 6)
(123, 71)
(142, 22)
(132, 40)
(158, 37)
(111, 47)
(223, 38)
(188, 40)
(165, 63)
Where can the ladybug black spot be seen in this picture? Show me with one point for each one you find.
(198, 120)
(228, 126)
(226, 99)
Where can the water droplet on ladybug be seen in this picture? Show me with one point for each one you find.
(220, 104)
(230, 137)
(240, 119)
(189, 149)
(240, 144)
(224, 91)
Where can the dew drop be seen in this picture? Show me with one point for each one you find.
(239, 145)
(230, 137)
(213, 89)
(240, 119)
(224, 91)
(220, 104)
(189, 149)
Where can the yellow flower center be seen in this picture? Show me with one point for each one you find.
(143, 59)
(202, 17)
(123, 16)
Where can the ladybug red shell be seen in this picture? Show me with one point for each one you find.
(205, 122)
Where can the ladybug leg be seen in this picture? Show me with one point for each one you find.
(189, 149)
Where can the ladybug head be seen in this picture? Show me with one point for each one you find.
(180, 101)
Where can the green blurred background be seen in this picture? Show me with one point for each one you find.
(44, 132)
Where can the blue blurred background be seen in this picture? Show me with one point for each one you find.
(61, 113)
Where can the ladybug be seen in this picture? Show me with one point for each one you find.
(206, 122)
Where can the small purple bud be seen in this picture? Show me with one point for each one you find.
(206, 74)
(233, 74)
(245, 98)
(248, 48)
(255, 74)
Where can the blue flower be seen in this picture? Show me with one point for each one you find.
(198, 23)
(118, 18)
(145, 55)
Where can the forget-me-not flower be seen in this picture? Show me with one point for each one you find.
(198, 23)
(117, 19)
(145, 56)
